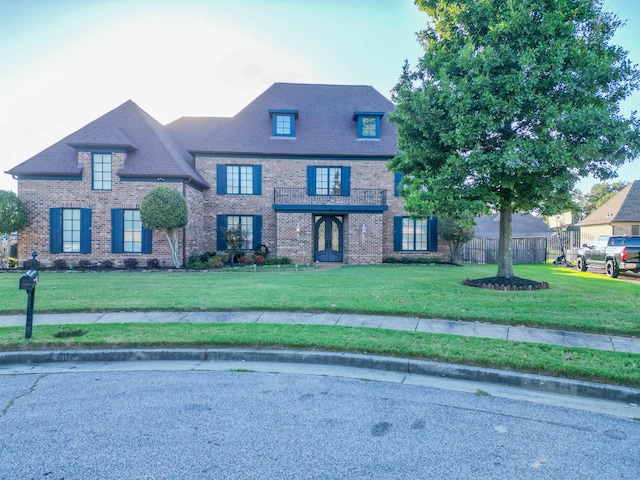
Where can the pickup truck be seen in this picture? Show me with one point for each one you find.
(614, 253)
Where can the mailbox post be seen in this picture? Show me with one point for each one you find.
(28, 282)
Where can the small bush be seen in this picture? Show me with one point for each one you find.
(153, 263)
(12, 262)
(59, 264)
(106, 264)
(277, 261)
(215, 262)
(130, 263)
(31, 265)
(412, 260)
(258, 259)
(204, 257)
(201, 261)
(84, 264)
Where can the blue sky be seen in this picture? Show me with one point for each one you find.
(64, 63)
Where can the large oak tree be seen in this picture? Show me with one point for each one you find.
(512, 102)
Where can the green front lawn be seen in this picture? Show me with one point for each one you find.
(575, 301)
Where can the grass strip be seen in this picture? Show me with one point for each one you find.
(618, 368)
(575, 301)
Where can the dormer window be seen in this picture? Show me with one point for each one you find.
(368, 124)
(283, 122)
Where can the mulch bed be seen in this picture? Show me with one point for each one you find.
(506, 284)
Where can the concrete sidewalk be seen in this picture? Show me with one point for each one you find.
(467, 329)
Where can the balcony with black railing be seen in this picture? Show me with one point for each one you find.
(358, 200)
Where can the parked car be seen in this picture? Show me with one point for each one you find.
(614, 253)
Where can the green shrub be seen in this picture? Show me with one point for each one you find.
(412, 260)
(153, 263)
(59, 264)
(130, 263)
(214, 262)
(106, 264)
(84, 264)
(277, 261)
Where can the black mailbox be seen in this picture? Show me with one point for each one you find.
(29, 280)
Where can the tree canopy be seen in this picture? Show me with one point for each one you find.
(165, 208)
(13, 217)
(512, 103)
(13, 214)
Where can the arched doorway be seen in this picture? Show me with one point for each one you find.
(328, 235)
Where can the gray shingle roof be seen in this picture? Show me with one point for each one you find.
(152, 151)
(523, 226)
(325, 125)
(622, 207)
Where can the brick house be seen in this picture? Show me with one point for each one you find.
(620, 215)
(301, 169)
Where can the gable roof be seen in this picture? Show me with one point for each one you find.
(523, 226)
(325, 124)
(151, 150)
(624, 206)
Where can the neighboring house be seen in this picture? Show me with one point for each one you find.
(522, 226)
(618, 216)
(301, 169)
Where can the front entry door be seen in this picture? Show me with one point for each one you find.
(328, 239)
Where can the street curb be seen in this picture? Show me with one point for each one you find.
(372, 362)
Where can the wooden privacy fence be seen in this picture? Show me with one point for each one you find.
(485, 250)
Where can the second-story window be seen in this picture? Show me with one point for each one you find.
(328, 181)
(101, 171)
(240, 180)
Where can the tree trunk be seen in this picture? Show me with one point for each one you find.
(172, 237)
(505, 253)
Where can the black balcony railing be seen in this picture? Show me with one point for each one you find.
(359, 197)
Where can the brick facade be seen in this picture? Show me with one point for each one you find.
(354, 223)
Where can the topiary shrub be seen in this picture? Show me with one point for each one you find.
(84, 264)
(106, 264)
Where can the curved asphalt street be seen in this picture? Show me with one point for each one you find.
(101, 423)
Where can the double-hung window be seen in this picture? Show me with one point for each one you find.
(239, 179)
(329, 181)
(101, 171)
(250, 229)
(127, 233)
(415, 235)
(70, 230)
(132, 231)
